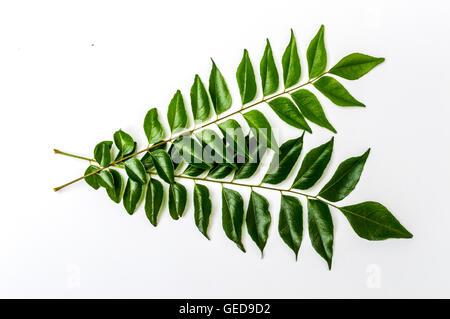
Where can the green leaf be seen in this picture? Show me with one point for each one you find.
(191, 151)
(175, 156)
(258, 219)
(336, 92)
(136, 170)
(313, 165)
(201, 109)
(105, 179)
(290, 224)
(220, 171)
(215, 142)
(355, 65)
(218, 89)
(177, 200)
(234, 135)
(147, 159)
(119, 155)
(102, 153)
(132, 195)
(115, 193)
(291, 63)
(233, 216)
(250, 165)
(373, 221)
(124, 142)
(153, 200)
(344, 179)
(288, 112)
(261, 128)
(194, 171)
(152, 127)
(92, 180)
(321, 229)
(282, 163)
(317, 54)
(246, 79)
(268, 72)
(176, 114)
(202, 208)
(164, 166)
(310, 107)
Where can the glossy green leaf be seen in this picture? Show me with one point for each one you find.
(176, 113)
(176, 157)
(132, 195)
(233, 216)
(201, 108)
(282, 163)
(194, 171)
(355, 65)
(310, 107)
(153, 200)
(268, 72)
(105, 179)
(291, 63)
(258, 219)
(119, 155)
(218, 90)
(136, 170)
(290, 223)
(336, 92)
(152, 127)
(251, 164)
(177, 200)
(124, 142)
(164, 166)
(261, 128)
(115, 193)
(234, 134)
(191, 152)
(344, 179)
(321, 229)
(147, 159)
(373, 221)
(220, 171)
(202, 208)
(246, 79)
(313, 165)
(317, 54)
(288, 112)
(92, 180)
(102, 153)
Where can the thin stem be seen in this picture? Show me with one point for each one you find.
(74, 156)
(191, 131)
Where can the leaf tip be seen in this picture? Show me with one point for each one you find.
(56, 151)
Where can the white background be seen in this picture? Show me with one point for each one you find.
(73, 72)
